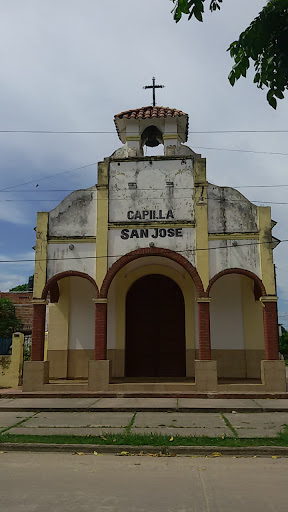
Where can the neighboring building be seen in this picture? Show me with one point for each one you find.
(158, 271)
(23, 307)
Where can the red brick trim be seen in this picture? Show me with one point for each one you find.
(54, 292)
(259, 288)
(152, 251)
(38, 332)
(271, 334)
(52, 283)
(204, 331)
(100, 331)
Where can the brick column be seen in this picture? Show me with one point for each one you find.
(271, 335)
(38, 330)
(204, 328)
(100, 352)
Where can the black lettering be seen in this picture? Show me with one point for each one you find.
(143, 233)
(125, 234)
(171, 232)
(160, 215)
(156, 233)
(145, 214)
(178, 232)
(137, 215)
(162, 232)
(170, 215)
(134, 233)
(154, 215)
(130, 215)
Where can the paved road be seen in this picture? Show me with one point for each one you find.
(32, 482)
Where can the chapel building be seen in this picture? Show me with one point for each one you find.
(155, 278)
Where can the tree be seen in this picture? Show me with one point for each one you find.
(9, 322)
(19, 288)
(23, 287)
(264, 42)
(283, 342)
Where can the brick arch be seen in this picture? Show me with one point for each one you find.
(152, 251)
(259, 288)
(52, 284)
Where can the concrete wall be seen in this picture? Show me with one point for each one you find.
(73, 223)
(71, 329)
(75, 215)
(80, 258)
(81, 315)
(233, 253)
(236, 320)
(151, 195)
(230, 212)
(11, 366)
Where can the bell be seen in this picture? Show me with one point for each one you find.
(151, 137)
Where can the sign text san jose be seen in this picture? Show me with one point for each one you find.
(154, 233)
(150, 232)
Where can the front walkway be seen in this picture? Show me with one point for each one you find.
(94, 423)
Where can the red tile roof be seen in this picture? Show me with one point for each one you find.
(149, 112)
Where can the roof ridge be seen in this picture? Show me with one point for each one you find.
(169, 111)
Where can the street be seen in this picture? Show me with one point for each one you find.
(32, 482)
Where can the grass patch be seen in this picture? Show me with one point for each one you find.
(146, 440)
(130, 424)
(229, 425)
(18, 423)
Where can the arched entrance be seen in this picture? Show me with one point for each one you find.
(155, 328)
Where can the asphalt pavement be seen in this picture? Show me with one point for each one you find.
(109, 483)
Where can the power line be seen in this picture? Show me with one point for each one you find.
(185, 157)
(231, 201)
(178, 188)
(119, 256)
(48, 177)
(244, 151)
(96, 132)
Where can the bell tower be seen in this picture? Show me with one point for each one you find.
(151, 126)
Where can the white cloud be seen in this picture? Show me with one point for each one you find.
(12, 274)
(72, 65)
(11, 212)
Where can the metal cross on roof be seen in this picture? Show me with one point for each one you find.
(153, 86)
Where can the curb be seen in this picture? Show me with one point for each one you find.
(141, 409)
(143, 394)
(206, 410)
(200, 451)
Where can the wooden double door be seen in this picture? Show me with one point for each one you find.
(155, 328)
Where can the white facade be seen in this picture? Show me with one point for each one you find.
(162, 202)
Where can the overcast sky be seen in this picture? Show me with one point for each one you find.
(72, 65)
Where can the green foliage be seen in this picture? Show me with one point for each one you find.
(9, 322)
(20, 288)
(264, 42)
(283, 343)
(193, 8)
(160, 441)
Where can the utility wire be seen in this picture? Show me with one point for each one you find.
(92, 132)
(244, 151)
(119, 256)
(178, 188)
(231, 201)
(96, 163)
(48, 177)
